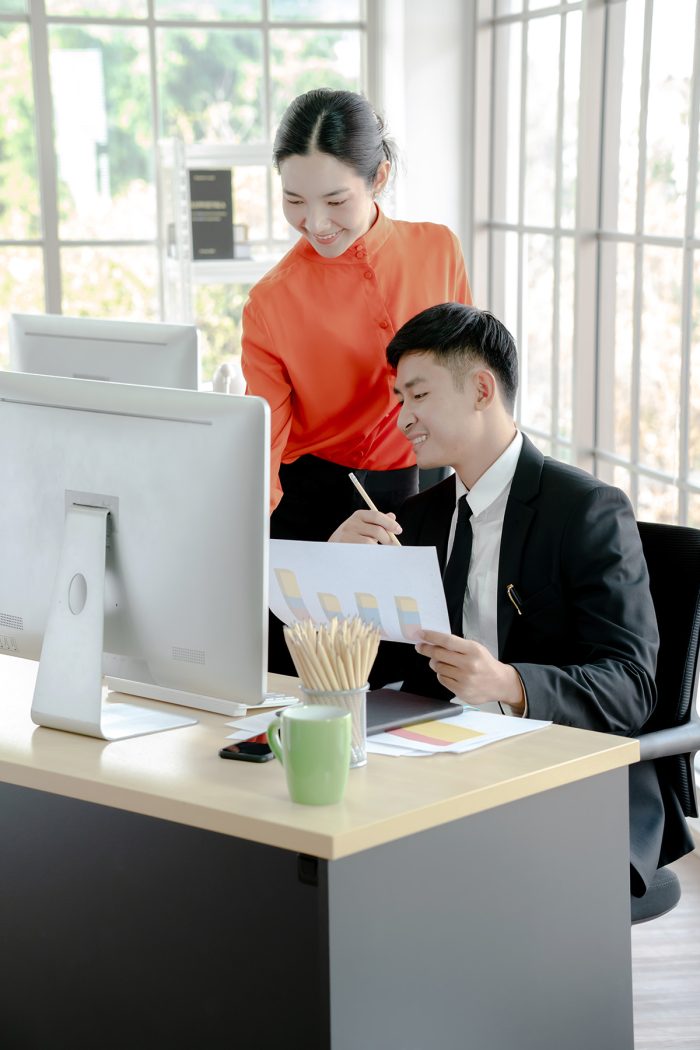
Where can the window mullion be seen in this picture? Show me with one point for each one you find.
(522, 146)
(637, 299)
(48, 185)
(590, 138)
(155, 123)
(373, 47)
(606, 297)
(688, 280)
(556, 242)
(267, 115)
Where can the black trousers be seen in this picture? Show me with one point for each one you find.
(318, 497)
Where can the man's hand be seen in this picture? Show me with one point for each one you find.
(469, 671)
(366, 526)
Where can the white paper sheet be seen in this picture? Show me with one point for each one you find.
(394, 752)
(398, 588)
(464, 732)
(253, 725)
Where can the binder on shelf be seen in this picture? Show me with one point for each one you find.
(211, 208)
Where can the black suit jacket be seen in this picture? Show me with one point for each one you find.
(586, 640)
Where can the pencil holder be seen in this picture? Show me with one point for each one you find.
(355, 701)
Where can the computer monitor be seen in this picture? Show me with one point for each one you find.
(143, 352)
(134, 534)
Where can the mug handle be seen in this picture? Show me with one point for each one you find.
(273, 737)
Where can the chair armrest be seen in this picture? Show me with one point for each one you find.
(679, 740)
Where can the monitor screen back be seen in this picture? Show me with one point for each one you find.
(147, 353)
(185, 476)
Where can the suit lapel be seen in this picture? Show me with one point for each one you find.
(516, 524)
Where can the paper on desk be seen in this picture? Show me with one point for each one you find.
(397, 588)
(464, 732)
(245, 728)
(393, 751)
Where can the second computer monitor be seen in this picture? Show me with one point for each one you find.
(142, 352)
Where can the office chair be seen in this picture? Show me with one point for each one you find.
(672, 736)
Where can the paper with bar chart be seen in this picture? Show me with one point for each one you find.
(464, 732)
(397, 588)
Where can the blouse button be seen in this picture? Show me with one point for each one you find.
(369, 275)
(383, 324)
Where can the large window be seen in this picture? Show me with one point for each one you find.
(649, 436)
(88, 89)
(587, 225)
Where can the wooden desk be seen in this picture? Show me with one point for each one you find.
(154, 896)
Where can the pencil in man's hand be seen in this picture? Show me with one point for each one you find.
(371, 505)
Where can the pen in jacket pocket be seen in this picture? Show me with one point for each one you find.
(515, 598)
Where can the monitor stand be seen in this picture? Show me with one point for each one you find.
(151, 691)
(68, 691)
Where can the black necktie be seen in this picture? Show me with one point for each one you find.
(455, 577)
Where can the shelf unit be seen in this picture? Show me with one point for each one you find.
(180, 272)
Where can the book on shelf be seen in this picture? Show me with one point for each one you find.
(211, 209)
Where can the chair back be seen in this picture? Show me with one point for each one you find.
(672, 554)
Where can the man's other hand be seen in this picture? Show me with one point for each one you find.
(469, 670)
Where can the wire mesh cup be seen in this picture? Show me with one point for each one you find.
(331, 660)
(355, 701)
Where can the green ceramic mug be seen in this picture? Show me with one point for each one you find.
(314, 748)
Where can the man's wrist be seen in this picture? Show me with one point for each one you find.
(514, 693)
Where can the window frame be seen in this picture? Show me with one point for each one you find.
(39, 22)
(601, 82)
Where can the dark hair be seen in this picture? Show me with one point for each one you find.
(339, 123)
(458, 335)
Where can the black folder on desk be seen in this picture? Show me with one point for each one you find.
(391, 709)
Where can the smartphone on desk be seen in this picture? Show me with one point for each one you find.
(248, 751)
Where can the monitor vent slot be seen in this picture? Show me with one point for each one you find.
(15, 623)
(188, 656)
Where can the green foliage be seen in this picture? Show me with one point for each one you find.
(19, 191)
(110, 282)
(305, 59)
(21, 289)
(218, 310)
(211, 84)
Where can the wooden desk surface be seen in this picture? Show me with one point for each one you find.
(177, 775)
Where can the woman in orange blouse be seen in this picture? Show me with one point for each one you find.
(315, 328)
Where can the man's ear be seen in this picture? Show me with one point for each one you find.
(486, 389)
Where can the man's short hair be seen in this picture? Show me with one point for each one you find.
(460, 336)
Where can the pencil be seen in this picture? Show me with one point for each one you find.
(371, 505)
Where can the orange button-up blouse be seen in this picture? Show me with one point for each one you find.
(315, 333)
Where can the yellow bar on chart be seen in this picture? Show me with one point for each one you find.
(292, 593)
(330, 605)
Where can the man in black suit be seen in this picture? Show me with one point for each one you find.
(544, 574)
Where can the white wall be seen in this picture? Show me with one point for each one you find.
(424, 85)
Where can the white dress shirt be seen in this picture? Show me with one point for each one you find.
(487, 499)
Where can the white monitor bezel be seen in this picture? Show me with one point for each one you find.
(149, 353)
